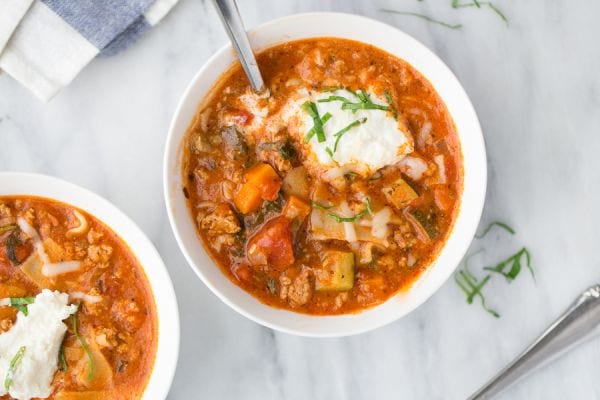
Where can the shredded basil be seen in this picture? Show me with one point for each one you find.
(340, 218)
(390, 101)
(62, 361)
(326, 117)
(338, 135)
(364, 103)
(514, 262)
(320, 206)
(84, 345)
(331, 88)
(271, 285)
(478, 4)
(311, 109)
(21, 303)
(424, 17)
(499, 225)
(473, 288)
(14, 364)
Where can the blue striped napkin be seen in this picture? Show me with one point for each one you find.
(45, 43)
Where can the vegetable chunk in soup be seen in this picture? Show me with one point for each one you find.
(77, 315)
(332, 192)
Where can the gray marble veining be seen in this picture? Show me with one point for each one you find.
(536, 87)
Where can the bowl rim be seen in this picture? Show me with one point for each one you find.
(165, 300)
(477, 192)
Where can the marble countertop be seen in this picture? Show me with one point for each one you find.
(536, 87)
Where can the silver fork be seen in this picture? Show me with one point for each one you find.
(577, 324)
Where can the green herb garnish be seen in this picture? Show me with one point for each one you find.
(328, 151)
(499, 225)
(338, 135)
(311, 109)
(514, 262)
(334, 98)
(478, 4)
(320, 206)
(331, 88)
(21, 303)
(8, 228)
(14, 363)
(424, 17)
(472, 288)
(340, 218)
(62, 361)
(84, 345)
(365, 102)
(390, 101)
(311, 132)
(271, 285)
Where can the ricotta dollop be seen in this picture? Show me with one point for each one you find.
(376, 140)
(40, 333)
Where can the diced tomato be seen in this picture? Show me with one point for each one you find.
(242, 272)
(241, 117)
(272, 244)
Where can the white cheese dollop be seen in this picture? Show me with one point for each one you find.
(366, 147)
(41, 333)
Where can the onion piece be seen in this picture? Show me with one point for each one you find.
(439, 160)
(413, 167)
(78, 230)
(85, 297)
(50, 270)
(334, 173)
(380, 221)
(424, 135)
(37, 242)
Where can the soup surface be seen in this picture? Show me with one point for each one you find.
(77, 315)
(334, 190)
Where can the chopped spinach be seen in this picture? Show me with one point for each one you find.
(288, 151)
(11, 243)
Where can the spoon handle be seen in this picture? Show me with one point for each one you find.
(578, 323)
(230, 16)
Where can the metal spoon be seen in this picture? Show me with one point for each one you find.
(580, 322)
(230, 16)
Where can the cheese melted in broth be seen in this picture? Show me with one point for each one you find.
(332, 192)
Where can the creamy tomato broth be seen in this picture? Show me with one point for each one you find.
(334, 190)
(77, 316)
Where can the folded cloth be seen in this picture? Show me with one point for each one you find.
(45, 43)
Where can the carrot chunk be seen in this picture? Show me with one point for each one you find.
(296, 208)
(262, 183)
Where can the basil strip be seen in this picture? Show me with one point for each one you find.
(14, 363)
(21, 303)
(311, 109)
(84, 345)
(311, 132)
(338, 135)
(340, 218)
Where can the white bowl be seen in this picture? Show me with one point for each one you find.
(443, 80)
(12, 183)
